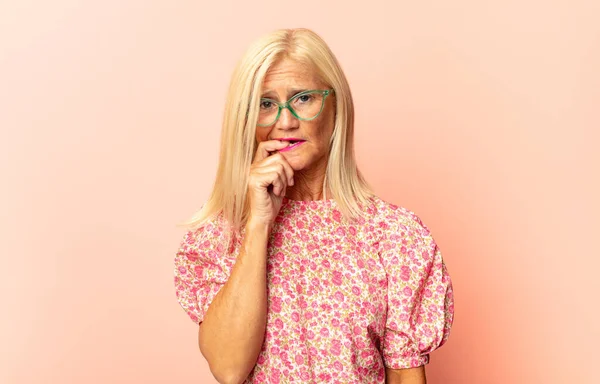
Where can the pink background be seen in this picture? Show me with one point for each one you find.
(482, 117)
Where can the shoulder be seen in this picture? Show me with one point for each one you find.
(211, 236)
(392, 217)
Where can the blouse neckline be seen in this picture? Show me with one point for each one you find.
(311, 203)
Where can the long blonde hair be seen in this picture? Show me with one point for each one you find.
(238, 141)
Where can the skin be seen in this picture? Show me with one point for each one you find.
(232, 333)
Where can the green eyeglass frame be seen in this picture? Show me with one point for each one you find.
(280, 106)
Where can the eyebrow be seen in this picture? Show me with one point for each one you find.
(291, 92)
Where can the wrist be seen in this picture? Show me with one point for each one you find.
(256, 224)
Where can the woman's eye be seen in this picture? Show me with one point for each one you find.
(265, 104)
(304, 99)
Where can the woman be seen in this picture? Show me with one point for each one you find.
(294, 270)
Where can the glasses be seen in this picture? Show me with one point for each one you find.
(306, 106)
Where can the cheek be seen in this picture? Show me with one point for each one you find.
(261, 135)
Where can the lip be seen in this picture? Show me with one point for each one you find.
(290, 139)
(293, 146)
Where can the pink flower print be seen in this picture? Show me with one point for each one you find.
(352, 231)
(337, 365)
(336, 255)
(303, 304)
(260, 377)
(336, 347)
(337, 215)
(340, 231)
(299, 359)
(365, 277)
(356, 290)
(335, 322)
(313, 351)
(325, 263)
(275, 350)
(304, 376)
(310, 335)
(427, 331)
(192, 255)
(279, 323)
(344, 327)
(279, 256)
(308, 315)
(296, 249)
(299, 288)
(198, 270)
(276, 304)
(360, 263)
(337, 278)
(339, 296)
(261, 359)
(405, 273)
(356, 330)
(300, 224)
(275, 377)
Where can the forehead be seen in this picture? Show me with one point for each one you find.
(288, 73)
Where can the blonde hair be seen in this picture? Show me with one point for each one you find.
(238, 141)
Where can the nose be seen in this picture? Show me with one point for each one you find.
(286, 120)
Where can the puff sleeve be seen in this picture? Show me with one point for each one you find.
(203, 263)
(420, 295)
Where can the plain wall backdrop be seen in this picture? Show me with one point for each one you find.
(480, 116)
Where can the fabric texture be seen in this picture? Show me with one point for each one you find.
(345, 300)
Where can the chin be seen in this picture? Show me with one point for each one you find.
(296, 163)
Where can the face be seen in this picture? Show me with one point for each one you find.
(284, 80)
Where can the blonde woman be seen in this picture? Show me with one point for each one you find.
(294, 270)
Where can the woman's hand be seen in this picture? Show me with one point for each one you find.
(270, 175)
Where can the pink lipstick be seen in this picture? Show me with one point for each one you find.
(293, 143)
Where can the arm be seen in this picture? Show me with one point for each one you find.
(233, 328)
(405, 376)
(232, 333)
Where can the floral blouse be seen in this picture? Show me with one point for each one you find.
(345, 300)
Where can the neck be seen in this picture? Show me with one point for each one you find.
(308, 184)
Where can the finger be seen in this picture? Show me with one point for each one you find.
(287, 168)
(265, 148)
(271, 175)
(278, 183)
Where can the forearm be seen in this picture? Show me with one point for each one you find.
(232, 333)
(406, 376)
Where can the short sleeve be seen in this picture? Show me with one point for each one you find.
(420, 295)
(202, 266)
